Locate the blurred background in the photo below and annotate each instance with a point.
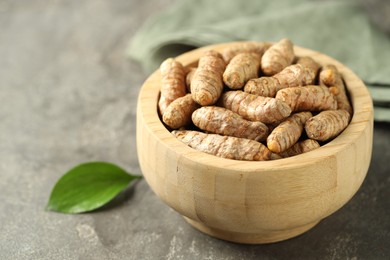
(68, 93)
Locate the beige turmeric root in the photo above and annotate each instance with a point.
(300, 147)
(255, 108)
(311, 69)
(308, 98)
(178, 113)
(331, 77)
(341, 97)
(287, 133)
(226, 146)
(327, 124)
(207, 84)
(241, 68)
(292, 76)
(255, 47)
(189, 76)
(172, 83)
(222, 121)
(277, 57)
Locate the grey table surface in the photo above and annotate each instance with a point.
(68, 95)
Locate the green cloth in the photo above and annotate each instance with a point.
(340, 29)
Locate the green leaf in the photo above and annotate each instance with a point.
(88, 186)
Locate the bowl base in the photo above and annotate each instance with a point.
(251, 238)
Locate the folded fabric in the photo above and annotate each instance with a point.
(340, 29)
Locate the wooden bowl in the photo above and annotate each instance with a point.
(254, 202)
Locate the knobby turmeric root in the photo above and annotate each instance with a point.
(328, 75)
(287, 133)
(178, 113)
(248, 47)
(292, 76)
(241, 68)
(220, 120)
(311, 69)
(172, 83)
(277, 57)
(300, 147)
(189, 75)
(308, 98)
(226, 146)
(331, 77)
(207, 84)
(327, 124)
(255, 108)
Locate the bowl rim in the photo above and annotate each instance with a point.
(360, 98)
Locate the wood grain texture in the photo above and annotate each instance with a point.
(255, 202)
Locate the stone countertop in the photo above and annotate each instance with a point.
(68, 95)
